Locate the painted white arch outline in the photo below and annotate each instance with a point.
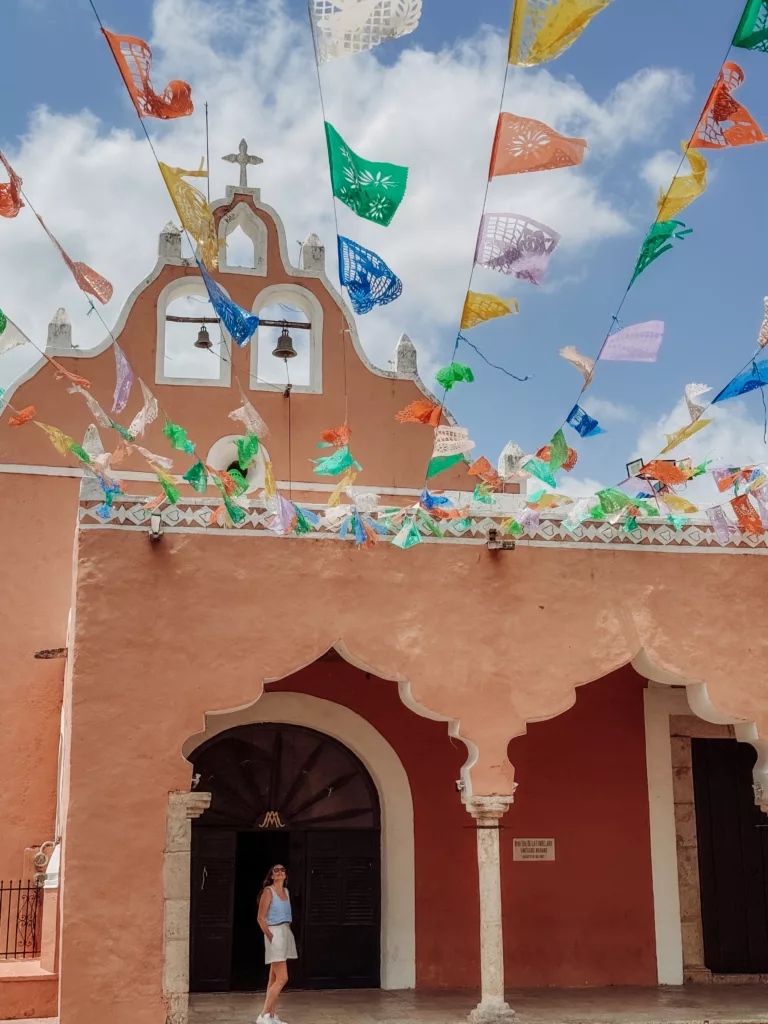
(701, 705)
(398, 892)
(309, 304)
(254, 228)
(177, 289)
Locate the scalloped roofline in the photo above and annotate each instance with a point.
(173, 261)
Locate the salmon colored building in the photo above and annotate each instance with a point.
(485, 765)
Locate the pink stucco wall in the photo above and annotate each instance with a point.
(38, 521)
(493, 642)
(165, 633)
(586, 918)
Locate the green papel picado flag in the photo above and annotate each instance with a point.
(373, 190)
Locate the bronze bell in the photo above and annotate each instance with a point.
(285, 349)
(203, 338)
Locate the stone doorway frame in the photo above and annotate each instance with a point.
(177, 860)
(398, 889)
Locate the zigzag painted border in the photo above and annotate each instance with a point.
(195, 514)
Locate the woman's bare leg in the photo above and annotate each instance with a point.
(278, 980)
(270, 980)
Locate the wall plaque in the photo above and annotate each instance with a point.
(534, 849)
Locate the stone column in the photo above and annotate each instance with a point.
(487, 812)
(182, 807)
(49, 938)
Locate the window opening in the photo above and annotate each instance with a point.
(240, 249)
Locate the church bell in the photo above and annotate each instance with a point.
(284, 349)
(203, 338)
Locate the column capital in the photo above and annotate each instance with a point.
(488, 809)
(193, 804)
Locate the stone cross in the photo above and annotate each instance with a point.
(244, 158)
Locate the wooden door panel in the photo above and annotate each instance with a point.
(212, 909)
(733, 858)
(342, 923)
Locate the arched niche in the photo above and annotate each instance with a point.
(243, 217)
(307, 302)
(223, 454)
(181, 288)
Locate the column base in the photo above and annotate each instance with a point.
(494, 1011)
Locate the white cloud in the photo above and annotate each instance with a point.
(579, 487)
(100, 191)
(733, 439)
(659, 171)
(603, 409)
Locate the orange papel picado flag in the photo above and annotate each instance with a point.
(725, 122)
(523, 144)
(86, 277)
(134, 59)
(10, 192)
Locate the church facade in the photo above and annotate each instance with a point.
(484, 765)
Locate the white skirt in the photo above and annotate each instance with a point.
(282, 947)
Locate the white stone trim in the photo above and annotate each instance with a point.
(177, 289)
(398, 895)
(242, 216)
(21, 469)
(320, 275)
(659, 703)
(102, 346)
(700, 704)
(182, 807)
(293, 295)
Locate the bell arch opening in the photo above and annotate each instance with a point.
(283, 793)
(284, 350)
(296, 312)
(245, 242)
(191, 345)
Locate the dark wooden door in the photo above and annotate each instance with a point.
(289, 794)
(733, 858)
(212, 908)
(341, 933)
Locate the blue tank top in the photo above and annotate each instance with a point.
(279, 910)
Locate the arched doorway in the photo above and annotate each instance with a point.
(289, 794)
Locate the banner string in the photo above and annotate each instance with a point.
(333, 202)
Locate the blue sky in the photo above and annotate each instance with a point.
(709, 289)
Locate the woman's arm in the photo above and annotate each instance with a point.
(264, 904)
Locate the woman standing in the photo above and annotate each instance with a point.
(279, 944)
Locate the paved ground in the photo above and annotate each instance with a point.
(700, 1004)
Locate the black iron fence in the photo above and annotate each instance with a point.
(21, 913)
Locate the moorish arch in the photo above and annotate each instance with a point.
(366, 744)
